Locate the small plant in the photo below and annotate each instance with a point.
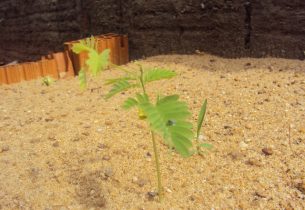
(47, 81)
(167, 116)
(95, 63)
(199, 126)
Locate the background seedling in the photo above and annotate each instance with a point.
(47, 81)
(95, 63)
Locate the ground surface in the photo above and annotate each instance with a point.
(61, 148)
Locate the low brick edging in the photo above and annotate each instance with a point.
(65, 64)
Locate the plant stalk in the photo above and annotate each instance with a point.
(198, 143)
(160, 188)
(142, 80)
(197, 146)
(156, 154)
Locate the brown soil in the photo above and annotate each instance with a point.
(61, 148)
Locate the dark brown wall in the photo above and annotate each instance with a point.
(164, 26)
(30, 28)
(278, 28)
(231, 28)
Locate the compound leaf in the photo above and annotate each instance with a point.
(80, 47)
(169, 118)
(129, 103)
(157, 74)
(97, 62)
(112, 81)
(118, 87)
(85, 45)
(104, 56)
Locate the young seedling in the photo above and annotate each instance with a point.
(199, 126)
(47, 81)
(96, 61)
(167, 115)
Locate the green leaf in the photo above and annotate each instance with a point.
(104, 56)
(80, 47)
(84, 45)
(118, 87)
(208, 146)
(129, 103)
(181, 136)
(164, 99)
(47, 81)
(169, 118)
(157, 74)
(201, 117)
(142, 98)
(97, 62)
(180, 110)
(82, 79)
(112, 81)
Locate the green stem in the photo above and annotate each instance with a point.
(197, 146)
(160, 188)
(141, 80)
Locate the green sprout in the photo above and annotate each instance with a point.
(167, 116)
(95, 63)
(199, 126)
(47, 81)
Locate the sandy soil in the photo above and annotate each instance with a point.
(61, 148)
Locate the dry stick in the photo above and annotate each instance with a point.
(96, 88)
